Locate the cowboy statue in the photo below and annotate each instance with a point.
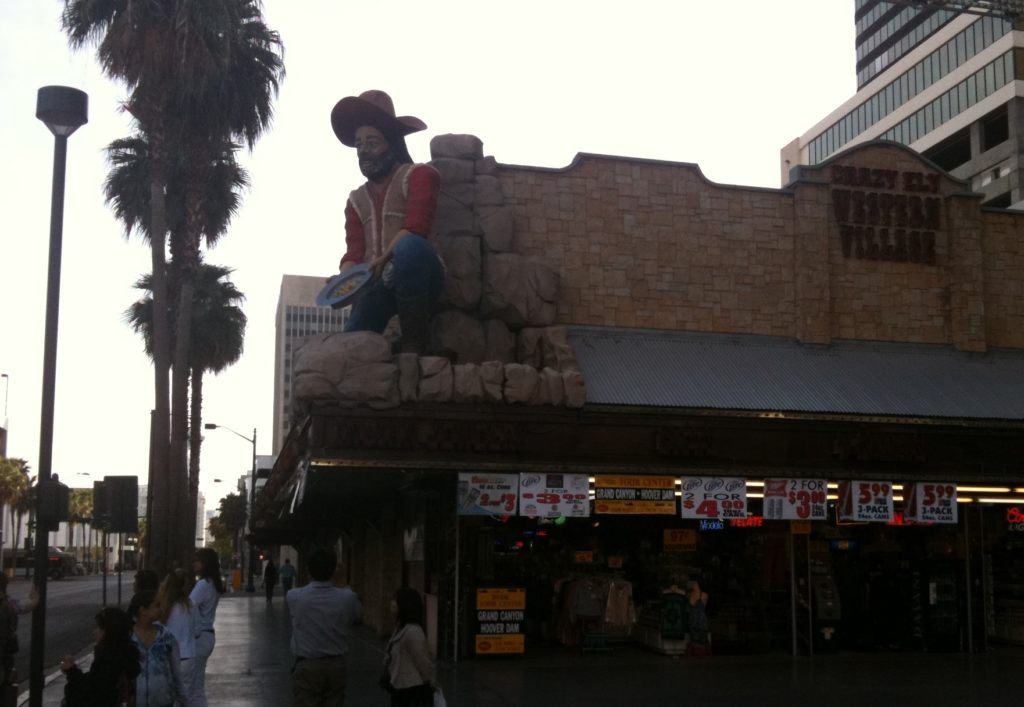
(388, 219)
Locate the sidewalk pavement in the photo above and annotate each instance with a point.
(251, 662)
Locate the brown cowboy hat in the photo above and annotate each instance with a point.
(370, 108)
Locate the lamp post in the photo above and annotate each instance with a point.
(250, 585)
(7, 386)
(63, 110)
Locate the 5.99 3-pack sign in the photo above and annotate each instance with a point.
(713, 497)
(865, 501)
(930, 503)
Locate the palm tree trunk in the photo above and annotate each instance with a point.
(179, 476)
(195, 443)
(17, 534)
(159, 549)
(1, 534)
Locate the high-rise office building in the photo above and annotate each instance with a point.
(946, 79)
(297, 317)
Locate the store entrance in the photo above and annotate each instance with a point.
(597, 583)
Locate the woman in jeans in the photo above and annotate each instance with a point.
(159, 682)
(407, 660)
(205, 596)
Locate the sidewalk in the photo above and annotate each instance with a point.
(251, 663)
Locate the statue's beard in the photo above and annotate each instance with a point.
(377, 166)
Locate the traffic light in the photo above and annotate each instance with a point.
(100, 506)
(122, 494)
(54, 500)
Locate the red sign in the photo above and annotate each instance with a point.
(1015, 519)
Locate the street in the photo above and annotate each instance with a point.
(72, 603)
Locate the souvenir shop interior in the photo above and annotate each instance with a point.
(597, 583)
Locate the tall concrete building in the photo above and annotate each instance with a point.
(297, 317)
(945, 78)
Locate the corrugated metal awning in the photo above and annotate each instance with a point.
(760, 373)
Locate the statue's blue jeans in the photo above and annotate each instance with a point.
(418, 273)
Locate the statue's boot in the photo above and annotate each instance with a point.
(414, 318)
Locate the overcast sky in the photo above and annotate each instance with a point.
(721, 84)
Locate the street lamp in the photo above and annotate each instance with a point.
(63, 110)
(250, 585)
(7, 386)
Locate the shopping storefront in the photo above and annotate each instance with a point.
(859, 333)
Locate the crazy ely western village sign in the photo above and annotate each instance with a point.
(886, 214)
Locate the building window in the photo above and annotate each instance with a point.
(995, 128)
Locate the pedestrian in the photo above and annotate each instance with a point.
(388, 220)
(698, 635)
(110, 681)
(10, 608)
(411, 679)
(181, 617)
(159, 680)
(270, 579)
(322, 616)
(287, 573)
(205, 595)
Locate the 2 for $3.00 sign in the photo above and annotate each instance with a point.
(713, 497)
(795, 499)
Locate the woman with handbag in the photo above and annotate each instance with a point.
(407, 662)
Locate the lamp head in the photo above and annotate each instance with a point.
(62, 108)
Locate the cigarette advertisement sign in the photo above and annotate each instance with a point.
(500, 617)
(865, 501)
(713, 497)
(930, 503)
(795, 499)
(554, 495)
(630, 495)
(488, 494)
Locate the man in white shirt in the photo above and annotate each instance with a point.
(322, 615)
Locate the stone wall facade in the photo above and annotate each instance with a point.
(640, 243)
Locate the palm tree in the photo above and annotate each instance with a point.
(79, 512)
(135, 46)
(217, 341)
(200, 72)
(13, 485)
(22, 507)
(233, 101)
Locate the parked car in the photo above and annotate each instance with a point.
(62, 563)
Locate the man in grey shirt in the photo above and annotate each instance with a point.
(322, 615)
